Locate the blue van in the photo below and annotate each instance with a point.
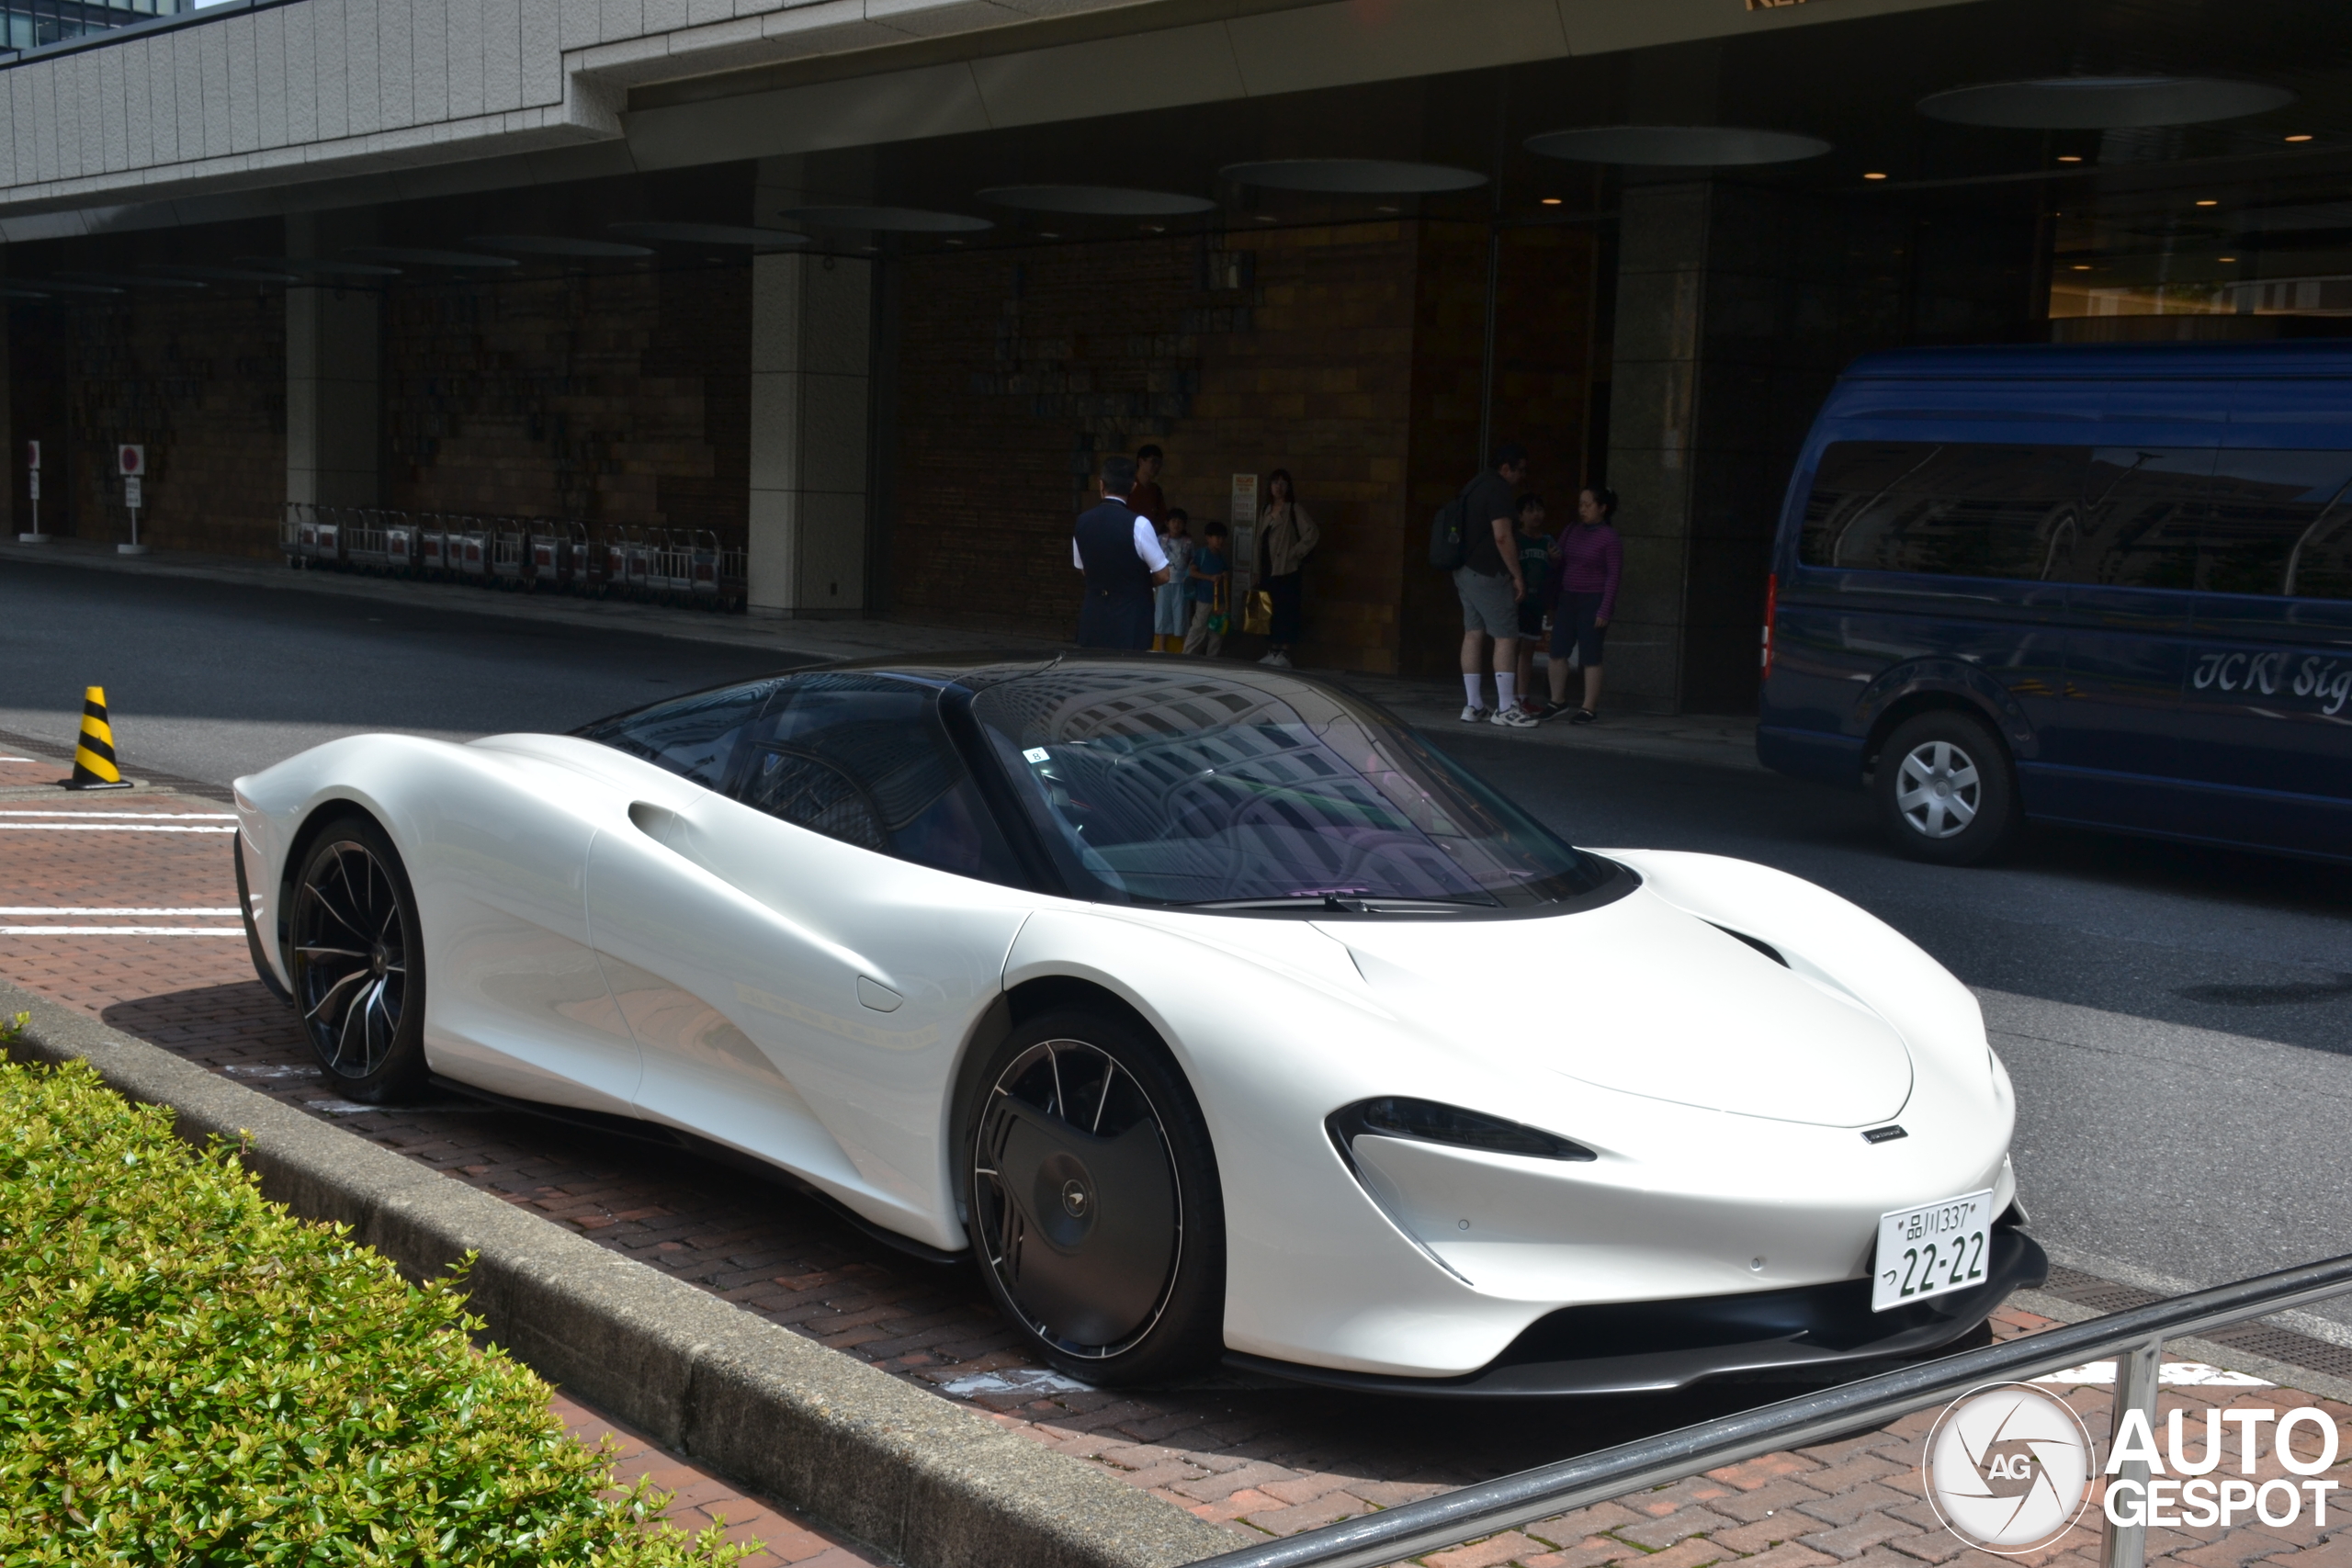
(2107, 586)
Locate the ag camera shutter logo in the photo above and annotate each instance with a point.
(2009, 1468)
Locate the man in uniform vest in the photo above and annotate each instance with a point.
(1118, 549)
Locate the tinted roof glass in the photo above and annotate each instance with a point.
(1187, 786)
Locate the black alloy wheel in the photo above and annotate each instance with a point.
(1946, 789)
(1095, 1211)
(358, 971)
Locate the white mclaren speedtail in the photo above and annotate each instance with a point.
(1208, 1011)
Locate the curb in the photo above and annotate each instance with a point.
(931, 1483)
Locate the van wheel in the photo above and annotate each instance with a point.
(1947, 792)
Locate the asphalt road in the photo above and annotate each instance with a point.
(2178, 1021)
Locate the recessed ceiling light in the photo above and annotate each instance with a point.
(1096, 201)
(1873, 175)
(1676, 146)
(2081, 266)
(1352, 177)
(1392, 210)
(1551, 201)
(2229, 258)
(705, 234)
(1265, 218)
(2103, 102)
(2070, 157)
(1153, 228)
(2301, 136)
(2208, 201)
(894, 219)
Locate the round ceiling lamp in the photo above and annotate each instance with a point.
(1353, 177)
(411, 256)
(311, 265)
(704, 234)
(892, 219)
(1680, 146)
(558, 245)
(2103, 102)
(225, 273)
(1096, 201)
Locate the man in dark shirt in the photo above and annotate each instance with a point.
(1119, 552)
(1147, 497)
(1490, 585)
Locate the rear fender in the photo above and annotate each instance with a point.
(1953, 682)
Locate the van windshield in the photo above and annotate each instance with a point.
(1186, 788)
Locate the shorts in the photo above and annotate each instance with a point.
(1531, 618)
(1572, 627)
(1489, 604)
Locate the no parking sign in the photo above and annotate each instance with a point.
(131, 462)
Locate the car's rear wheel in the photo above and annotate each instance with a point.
(1096, 1209)
(1946, 790)
(357, 966)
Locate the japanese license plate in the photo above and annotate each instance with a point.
(1931, 1250)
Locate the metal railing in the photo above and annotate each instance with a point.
(2134, 1337)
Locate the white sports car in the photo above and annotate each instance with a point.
(1208, 1009)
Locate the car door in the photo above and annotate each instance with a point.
(804, 955)
(2111, 754)
(2266, 718)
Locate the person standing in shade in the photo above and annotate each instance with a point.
(1285, 536)
(1209, 580)
(1119, 552)
(1490, 588)
(1534, 574)
(1584, 580)
(1147, 497)
(1171, 607)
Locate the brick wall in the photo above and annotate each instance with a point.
(612, 396)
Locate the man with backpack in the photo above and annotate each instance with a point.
(1475, 536)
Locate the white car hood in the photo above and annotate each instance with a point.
(1640, 997)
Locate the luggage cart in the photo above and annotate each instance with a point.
(433, 557)
(734, 577)
(290, 531)
(673, 567)
(637, 563)
(576, 555)
(546, 555)
(363, 541)
(326, 537)
(702, 563)
(399, 543)
(469, 550)
(509, 540)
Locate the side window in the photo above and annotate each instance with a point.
(2280, 523)
(693, 737)
(865, 759)
(2144, 512)
(1961, 509)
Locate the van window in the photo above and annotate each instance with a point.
(1948, 508)
(2144, 512)
(2280, 523)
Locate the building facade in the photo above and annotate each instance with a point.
(868, 287)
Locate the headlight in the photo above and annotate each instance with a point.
(1427, 1121)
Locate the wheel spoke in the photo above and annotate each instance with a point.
(332, 992)
(311, 952)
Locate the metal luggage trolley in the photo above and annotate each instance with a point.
(326, 536)
(363, 541)
(509, 542)
(674, 566)
(469, 549)
(637, 563)
(558, 554)
(702, 561)
(399, 543)
(433, 555)
(290, 531)
(734, 577)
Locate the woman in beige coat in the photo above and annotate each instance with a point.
(1285, 536)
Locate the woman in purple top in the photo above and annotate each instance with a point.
(1583, 591)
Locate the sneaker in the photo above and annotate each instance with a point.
(1473, 714)
(1513, 718)
(1583, 715)
(1278, 659)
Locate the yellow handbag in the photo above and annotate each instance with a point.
(1259, 618)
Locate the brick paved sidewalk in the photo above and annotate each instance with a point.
(1263, 1459)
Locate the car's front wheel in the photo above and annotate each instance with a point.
(1095, 1210)
(1946, 790)
(357, 964)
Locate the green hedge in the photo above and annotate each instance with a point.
(191, 1375)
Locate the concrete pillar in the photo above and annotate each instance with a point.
(333, 387)
(811, 329)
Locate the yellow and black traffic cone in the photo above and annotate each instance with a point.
(94, 763)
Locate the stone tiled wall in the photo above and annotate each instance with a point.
(1349, 354)
(199, 379)
(612, 398)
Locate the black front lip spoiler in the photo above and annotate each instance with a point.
(1815, 1334)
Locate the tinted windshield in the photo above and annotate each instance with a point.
(1186, 788)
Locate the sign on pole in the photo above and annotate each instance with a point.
(32, 455)
(32, 490)
(131, 461)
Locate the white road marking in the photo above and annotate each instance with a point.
(79, 909)
(122, 931)
(2172, 1374)
(108, 827)
(141, 817)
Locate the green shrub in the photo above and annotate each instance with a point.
(191, 1375)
